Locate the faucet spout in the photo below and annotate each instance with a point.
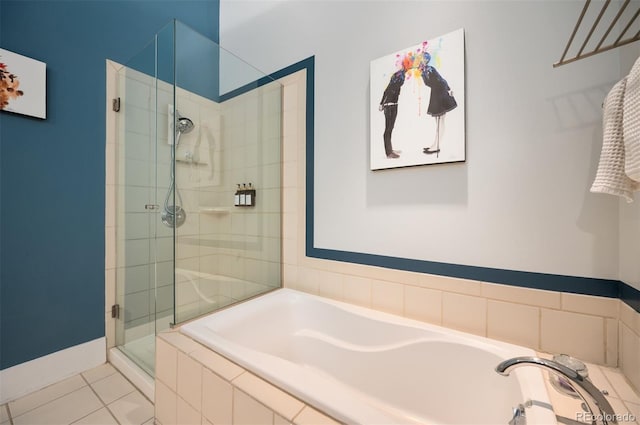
(601, 411)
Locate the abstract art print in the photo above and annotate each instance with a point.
(417, 104)
(23, 85)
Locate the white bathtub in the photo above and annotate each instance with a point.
(366, 367)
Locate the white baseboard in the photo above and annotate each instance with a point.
(36, 374)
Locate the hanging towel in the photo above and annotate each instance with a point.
(611, 177)
(631, 123)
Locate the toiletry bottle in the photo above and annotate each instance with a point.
(236, 198)
(249, 196)
(243, 195)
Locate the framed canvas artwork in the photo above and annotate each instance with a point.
(417, 111)
(23, 85)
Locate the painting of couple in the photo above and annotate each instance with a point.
(410, 90)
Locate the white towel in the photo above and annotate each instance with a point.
(631, 123)
(611, 177)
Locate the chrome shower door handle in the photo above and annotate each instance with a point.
(151, 206)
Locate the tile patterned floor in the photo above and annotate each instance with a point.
(100, 396)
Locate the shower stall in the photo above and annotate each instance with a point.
(197, 130)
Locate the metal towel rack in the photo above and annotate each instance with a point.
(619, 41)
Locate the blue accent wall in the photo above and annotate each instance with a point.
(52, 172)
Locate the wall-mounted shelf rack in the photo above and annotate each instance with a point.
(621, 39)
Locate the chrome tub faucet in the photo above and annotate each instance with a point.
(601, 411)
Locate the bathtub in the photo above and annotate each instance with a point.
(362, 366)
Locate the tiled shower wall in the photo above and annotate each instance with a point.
(228, 253)
(599, 330)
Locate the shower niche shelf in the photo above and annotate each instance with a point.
(214, 210)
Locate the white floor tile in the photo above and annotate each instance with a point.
(132, 409)
(99, 417)
(112, 388)
(45, 395)
(98, 373)
(62, 411)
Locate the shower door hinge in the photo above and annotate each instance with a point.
(115, 311)
(115, 103)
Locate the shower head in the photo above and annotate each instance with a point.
(184, 125)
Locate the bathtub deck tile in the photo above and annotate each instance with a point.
(180, 341)
(619, 382)
(217, 363)
(310, 416)
(281, 402)
(279, 420)
(634, 409)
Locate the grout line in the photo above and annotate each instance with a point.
(99, 398)
(9, 412)
(48, 401)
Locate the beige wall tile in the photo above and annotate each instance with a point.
(289, 276)
(630, 317)
(387, 296)
(277, 400)
(588, 304)
(166, 363)
(110, 331)
(166, 403)
(308, 280)
(450, 284)
(247, 411)
(630, 356)
(190, 380)
(464, 312)
(331, 285)
(514, 323)
(290, 251)
(217, 396)
(611, 342)
(423, 304)
(357, 290)
(186, 414)
(514, 294)
(579, 335)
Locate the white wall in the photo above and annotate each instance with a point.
(521, 201)
(629, 213)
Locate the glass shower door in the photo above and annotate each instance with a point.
(140, 261)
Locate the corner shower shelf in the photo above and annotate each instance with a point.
(190, 162)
